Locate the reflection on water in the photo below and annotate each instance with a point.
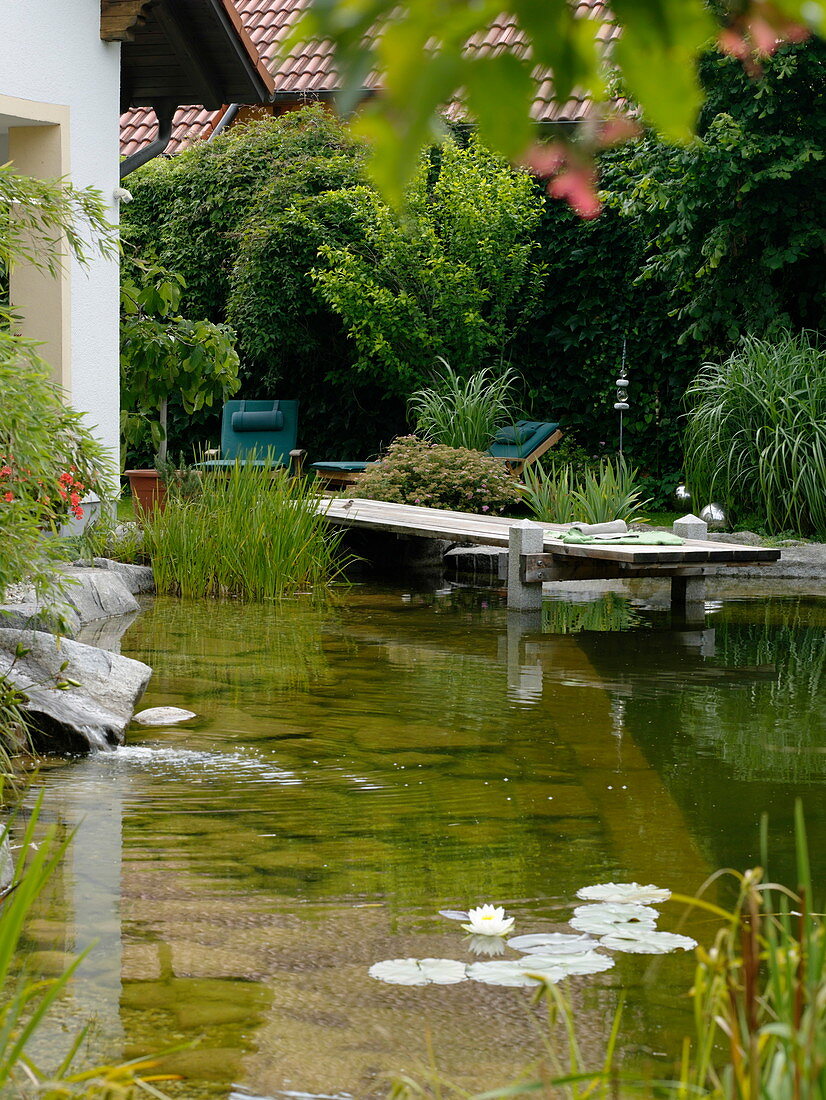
(357, 768)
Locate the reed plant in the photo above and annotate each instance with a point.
(755, 437)
(251, 534)
(610, 491)
(25, 1002)
(464, 412)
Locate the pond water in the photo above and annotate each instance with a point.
(356, 768)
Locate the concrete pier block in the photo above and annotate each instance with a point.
(524, 537)
(690, 527)
(688, 599)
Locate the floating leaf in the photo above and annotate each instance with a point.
(645, 942)
(616, 912)
(624, 893)
(590, 963)
(418, 971)
(502, 972)
(553, 943)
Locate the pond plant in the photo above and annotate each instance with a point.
(755, 437)
(610, 491)
(252, 533)
(758, 996)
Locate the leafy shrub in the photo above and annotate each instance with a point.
(609, 492)
(414, 471)
(755, 437)
(250, 534)
(463, 412)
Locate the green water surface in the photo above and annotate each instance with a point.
(355, 768)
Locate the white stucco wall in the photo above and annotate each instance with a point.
(51, 53)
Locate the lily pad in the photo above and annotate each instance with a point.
(624, 892)
(503, 972)
(602, 926)
(617, 912)
(644, 942)
(591, 963)
(419, 971)
(553, 943)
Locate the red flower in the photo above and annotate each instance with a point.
(9, 496)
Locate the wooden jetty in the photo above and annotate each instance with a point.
(536, 553)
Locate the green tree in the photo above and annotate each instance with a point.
(454, 278)
(742, 210)
(188, 210)
(163, 354)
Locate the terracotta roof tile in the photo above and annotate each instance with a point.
(310, 70)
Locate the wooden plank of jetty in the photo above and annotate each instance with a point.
(466, 527)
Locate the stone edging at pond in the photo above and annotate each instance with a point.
(95, 714)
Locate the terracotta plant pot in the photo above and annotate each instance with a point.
(148, 491)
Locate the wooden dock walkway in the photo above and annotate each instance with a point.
(536, 553)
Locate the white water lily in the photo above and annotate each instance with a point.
(645, 942)
(553, 943)
(503, 972)
(488, 920)
(453, 914)
(624, 892)
(419, 971)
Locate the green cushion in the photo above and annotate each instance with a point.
(520, 440)
(342, 467)
(272, 421)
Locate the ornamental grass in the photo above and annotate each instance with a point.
(464, 412)
(755, 438)
(250, 534)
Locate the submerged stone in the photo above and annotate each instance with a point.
(163, 716)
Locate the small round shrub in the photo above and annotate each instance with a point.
(414, 471)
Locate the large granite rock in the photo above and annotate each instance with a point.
(92, 716)
(92, 593)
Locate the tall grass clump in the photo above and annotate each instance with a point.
(464, 412)
(755, 437)
(250, 534)
(608, 492)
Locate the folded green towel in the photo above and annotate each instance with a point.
(630, 538)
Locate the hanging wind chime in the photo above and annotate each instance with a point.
(621, 403)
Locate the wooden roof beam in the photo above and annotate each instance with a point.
(119, 18)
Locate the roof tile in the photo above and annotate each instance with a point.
(310, 69)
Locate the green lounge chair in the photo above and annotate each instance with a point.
(258, 433)
(517, 445)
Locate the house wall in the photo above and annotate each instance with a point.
(59, 108)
